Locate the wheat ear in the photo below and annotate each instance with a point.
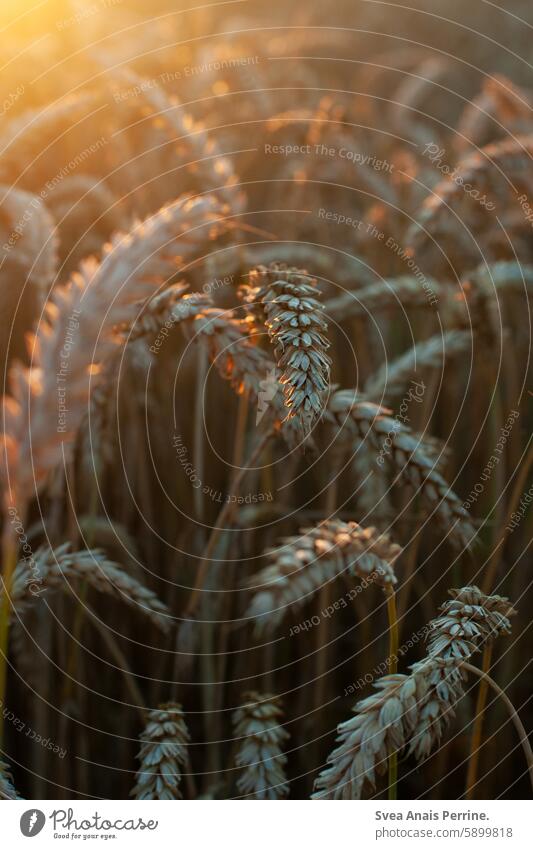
(7, 788)
(411, 711)
(163, 755)
(301, 565)
(296, 327)
(412, 458)
(432, 353)
(212, 167)
(30, 246)
(260, 739)
(384, 296)
(76, 336)
(54, 569)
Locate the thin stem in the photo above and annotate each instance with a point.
(131, 684)
(223, 519)
(199, 447)
(478, 723)
(521, 731)
(518, 488)
(393, 668)
(324, 599)
(72, 659)
(120, 659)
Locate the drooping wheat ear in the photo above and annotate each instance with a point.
(470, 616)
(392, 378)
(78, 335)
(500, 102)
(7, 788)
(173, 305)
(385, 295)
(502, 277)
(412, 711)
(54, 569)
(296, 327)
(29, 134)
(232, 349)
(499, 172)
(165, 310)
(260, 739)
(163, 755)
(215, 171)
(412, 457)
(303, 564)
(29, 252)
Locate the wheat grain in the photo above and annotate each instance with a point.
(213, 168)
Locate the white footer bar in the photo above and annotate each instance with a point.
(263, 825)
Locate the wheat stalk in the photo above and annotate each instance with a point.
(260, 738)
(411, 711)
(301, 565)
(163, 755)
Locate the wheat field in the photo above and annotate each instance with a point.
(266, 468)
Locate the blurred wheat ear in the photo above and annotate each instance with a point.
(55, 569)
(303, 564)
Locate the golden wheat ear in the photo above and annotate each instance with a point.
(163, 755)
(411, 711)
(301, 565)
(260, 738)
(7, 788)
(214, 171)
